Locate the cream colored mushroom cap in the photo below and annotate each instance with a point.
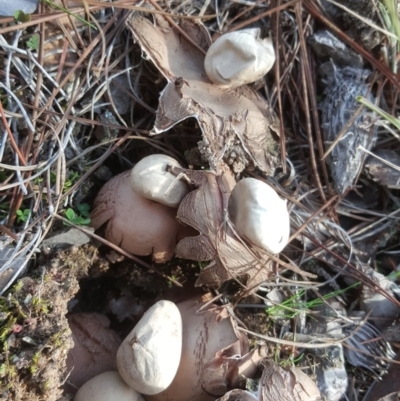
(107, 386)
(150, 179)
(260, 215)
(149, 357)
(239, 58)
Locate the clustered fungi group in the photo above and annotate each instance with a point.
(194, 350)
(140, 209)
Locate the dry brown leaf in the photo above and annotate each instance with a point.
(287, 384)
(237, 124)
(279, 384)
(381, 172)
(381, 389)
(205, 209)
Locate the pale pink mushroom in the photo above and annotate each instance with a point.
(215, 355)
(137, 225)
(95, 348)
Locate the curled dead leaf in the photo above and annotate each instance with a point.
(238, 125)
(206, 210)
(281, 384)
(287, 384)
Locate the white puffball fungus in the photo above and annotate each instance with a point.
(239, 58)
(150, 179)
(107, 386)
(149, 357)
(260, 215)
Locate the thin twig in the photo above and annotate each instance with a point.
(121, 251)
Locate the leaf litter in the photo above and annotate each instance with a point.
(188, 93)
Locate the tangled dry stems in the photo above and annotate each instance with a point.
(51, 97)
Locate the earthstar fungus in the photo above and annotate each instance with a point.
(138, 225)
(238, 125)
(206, 210)
(150, 179)
(149, 356)
(215, 355)
(281, 384)
(95, 347)
(107, 386)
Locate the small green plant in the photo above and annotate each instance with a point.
(72, 178)
(40, 306)
(33, 42)
(22, 215)
(170, 283)
(56, 339)
(3, 369)
(392, 120)
(20, 16)
(35, 362)
(294, 305)
(6, 328)
(79, 219)
(391, 7)
(287, 363)
(4, 207)
(84, 209)
(202, 265)
(3, 175)
(53, 177)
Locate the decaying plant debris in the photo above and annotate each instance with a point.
(277, 383)
(238, 130)
(346, 159)
(382, 167)
(82, 102)
(205, 209)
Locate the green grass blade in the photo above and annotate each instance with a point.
(51, 4)
(391, 6)
(393, 120)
